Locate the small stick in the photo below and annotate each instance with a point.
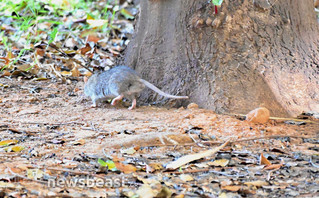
(192, 157)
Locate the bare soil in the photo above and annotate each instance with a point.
(63, 137)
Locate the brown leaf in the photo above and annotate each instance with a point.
(5, 60)
(93, 38)
(75, 72)
(231, 188)
(257, 183)
(219, 162)
(125, 168)
(272, 166)
(264, 161)
(40, 51)
(85, 49)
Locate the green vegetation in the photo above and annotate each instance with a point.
(25, 23)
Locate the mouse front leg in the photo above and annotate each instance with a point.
(114, 101)
(133, 104)
(94, 102)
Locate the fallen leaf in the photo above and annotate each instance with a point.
(8, 142)
(186, 177)
(5, 60)
(126, 14)
(128, 151)
(17, 148)
(93, 38)
(263, 160)
(231, 188)
(66, 73)
(125, 168)
(39, 79)
(109, 163)
(6, 73)
(272, 166)
(220, 162)
(96, 23)
(156, 166)
(146, 191)
(257, 183)
(35, 174)
(85, 49)
(75, 72)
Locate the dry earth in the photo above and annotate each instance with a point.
(63, 137)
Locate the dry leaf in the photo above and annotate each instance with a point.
(35, 173)
(96, 23)
(75, 72)
(8, 142)
(186, 177)
(17, 148)
(220, 162)
(272, 166)
(231, 188)
(146, 191)
(66, 73)
(128, 151)
(264, 161)
(257, 183)
(125, 168)
(4, 60)
(85, 49)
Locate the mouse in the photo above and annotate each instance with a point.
(117, 83)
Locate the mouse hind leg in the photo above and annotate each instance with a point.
(133, 106)
(116, 99)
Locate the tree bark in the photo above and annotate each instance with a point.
(249, 54)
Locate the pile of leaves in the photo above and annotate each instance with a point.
(80, 33)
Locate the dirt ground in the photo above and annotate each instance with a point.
(63, 137)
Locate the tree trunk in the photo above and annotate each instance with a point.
(249, 54)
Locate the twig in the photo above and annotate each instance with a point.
(192, 157)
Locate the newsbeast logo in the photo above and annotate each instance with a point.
(88, 182)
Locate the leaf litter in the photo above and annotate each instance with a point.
(53, 144)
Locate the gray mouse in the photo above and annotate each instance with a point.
(118, 83)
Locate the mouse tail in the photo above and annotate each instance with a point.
(157, 90)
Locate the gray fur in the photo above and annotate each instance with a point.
(119, 81)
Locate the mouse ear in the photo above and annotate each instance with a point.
(85, 79)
